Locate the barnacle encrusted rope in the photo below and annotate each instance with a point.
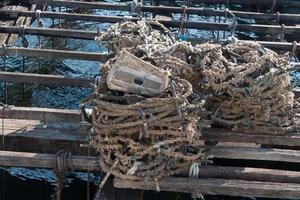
(152, 42)
(147, 135)
(150, 137)
(127, 35)
(249, 87)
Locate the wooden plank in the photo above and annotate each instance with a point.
(4, 37)
(216, 187)
(41, 130)
(249, 173)
(90, 35)
(42, 114)
(65, 33)
(43, 137)
(256, 28)
(289, 3)
(223, 135)
(35, 160)
(157, 9)
(51, 53)
(248, 153)
(126, 7)
(43, 79)
(12, 38)
(297, 92)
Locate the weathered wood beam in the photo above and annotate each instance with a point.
(90, 35)
(43, 79)
(4, 38)
(216, 187)
(248, 153)
(256, 28)
(158, 9)
(36, 160)
(223, 135)
(249, 173)
(64, 33)
(42, 114)
(51, 53)
(297, 92)
(125, 7)
(42, 136)
(289, 3)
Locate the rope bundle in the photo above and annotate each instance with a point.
(128, 35)
(147, 137)
(246, 87)
(249, 87)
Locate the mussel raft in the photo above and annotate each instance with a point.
(238, 85)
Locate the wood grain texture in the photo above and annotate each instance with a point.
(216, 187)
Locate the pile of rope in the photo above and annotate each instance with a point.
(246, 87)
(147, 137)
(141, 137)
(127, 35)
(249, 87)
(154, 43)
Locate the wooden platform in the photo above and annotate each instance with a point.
(257, 165)
(244, 165)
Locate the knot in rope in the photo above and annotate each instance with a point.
(294, 47)
(38, 18)
(5, 109)
(127, 18)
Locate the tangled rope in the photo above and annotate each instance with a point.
(128, 35)
(246, 87)
(249, 87)
(152, 42)
(149, 137)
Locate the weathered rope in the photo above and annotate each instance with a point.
(63, 165)
(249, 87)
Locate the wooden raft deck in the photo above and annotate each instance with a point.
(244, 165)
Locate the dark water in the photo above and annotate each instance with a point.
(20, 183)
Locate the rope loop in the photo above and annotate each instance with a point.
(183, 18)
(24, 40)
(6, 109)
(278, 17)
(282, 32)
(294, 48)
(63, 165)
(273, 6)
(4, 51)
(127, 18)
(38, 18)
(38, 14)
(232, 28)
